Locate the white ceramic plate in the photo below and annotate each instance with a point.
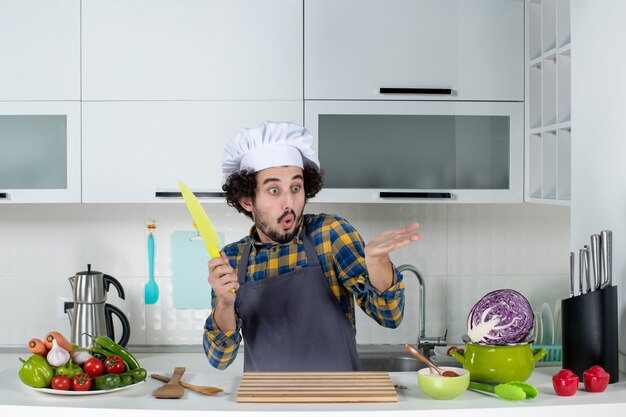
(537, 333)
(78, 393)
(548, 324)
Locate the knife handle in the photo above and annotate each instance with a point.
(595, 261)
(587, 272)
(606, 241)
(581, 271)
(572, 273)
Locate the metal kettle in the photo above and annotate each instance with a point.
(89, 313)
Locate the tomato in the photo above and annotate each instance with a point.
(82, 382)
(114, 365)
(565, 383)
(94, 367)
(61, 382)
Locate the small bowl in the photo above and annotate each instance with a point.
(442, 387)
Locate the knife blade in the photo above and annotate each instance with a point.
(606, 240)
(201, 220)
(595, 261)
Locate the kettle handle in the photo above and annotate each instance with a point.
(108, 280)
(109, 310)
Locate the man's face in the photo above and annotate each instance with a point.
(279, 203)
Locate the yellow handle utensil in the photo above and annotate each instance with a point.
(201, 221)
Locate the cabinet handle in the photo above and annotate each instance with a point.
(178, 194)
(4, 195)
(400, 194)
(432, 91)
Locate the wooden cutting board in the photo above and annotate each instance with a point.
(316, 387)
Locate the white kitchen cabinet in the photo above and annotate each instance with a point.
(40, 50)
(353, 48)
(418, 151)
(132, 150)
(40, 152)
(192, 50)
(548, 102)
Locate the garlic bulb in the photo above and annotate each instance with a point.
(57, 355)
(80, 356)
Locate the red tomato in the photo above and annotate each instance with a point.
(61, 382)
(94, 367)
(81, 382)
(114, 365)
(565, 383)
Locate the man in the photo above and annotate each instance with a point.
(290, 285)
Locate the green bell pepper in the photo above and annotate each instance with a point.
(69, 370)
(36, 372)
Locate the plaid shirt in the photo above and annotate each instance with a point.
(340, 252)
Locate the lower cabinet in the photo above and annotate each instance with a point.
(135, 152)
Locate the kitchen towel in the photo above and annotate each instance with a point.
(190, 271)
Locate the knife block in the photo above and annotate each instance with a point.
(589, 323)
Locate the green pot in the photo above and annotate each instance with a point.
(490, 363)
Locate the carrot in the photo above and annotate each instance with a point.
(61, 341)
(37, 347)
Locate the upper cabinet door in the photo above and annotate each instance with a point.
(192, 50)
(136, 151)
(40, 152)
(40, 50)
(353, 48)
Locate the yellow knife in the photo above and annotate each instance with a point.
(201, 221)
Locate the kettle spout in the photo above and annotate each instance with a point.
(72, 281)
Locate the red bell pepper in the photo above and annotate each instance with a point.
(596, 379)
(565, 383)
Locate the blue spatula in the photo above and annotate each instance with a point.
(151, 290)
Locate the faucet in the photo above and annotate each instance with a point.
(424, 344)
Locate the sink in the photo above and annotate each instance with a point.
(391, 362)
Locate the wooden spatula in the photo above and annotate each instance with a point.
(201, 389)
(172, 389)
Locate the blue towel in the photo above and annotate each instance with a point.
(190, 271)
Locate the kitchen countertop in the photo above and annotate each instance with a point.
(18, 398)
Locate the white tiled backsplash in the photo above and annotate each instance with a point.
(467, 251)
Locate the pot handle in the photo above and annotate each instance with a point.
(457, 355)
(538, 354)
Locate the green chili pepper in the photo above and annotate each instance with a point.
(127, 379)
(138, 374)
(118, 350)
(36, 372)
(106, 382)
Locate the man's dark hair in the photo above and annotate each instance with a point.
(242, 184)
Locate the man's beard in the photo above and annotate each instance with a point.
(274, 234)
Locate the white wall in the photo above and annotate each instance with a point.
(599, 133)
(467, 251)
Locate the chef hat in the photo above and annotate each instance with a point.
(270, 144)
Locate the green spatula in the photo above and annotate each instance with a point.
(511, 391)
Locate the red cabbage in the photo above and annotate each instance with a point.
(499, 318)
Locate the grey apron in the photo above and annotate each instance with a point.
(293, 322)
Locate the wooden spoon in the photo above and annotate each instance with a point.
(427, 361)
(206, 390)
(172, 389)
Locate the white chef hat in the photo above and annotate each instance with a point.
(271, 144)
